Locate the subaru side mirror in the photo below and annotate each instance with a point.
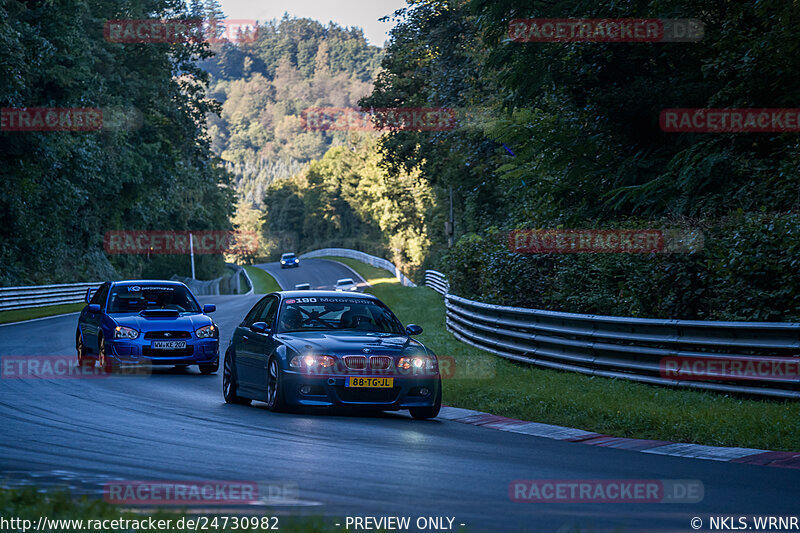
(209, 308)
(94, 308)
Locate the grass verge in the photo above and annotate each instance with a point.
(18, 315)
(609, 406)
(28, 504)
(263, 283)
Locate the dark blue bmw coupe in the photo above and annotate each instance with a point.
(146, 322)
(326, 348)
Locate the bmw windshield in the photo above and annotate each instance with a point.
(135, 298)
(328, 313)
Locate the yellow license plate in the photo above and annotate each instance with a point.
(380, 383)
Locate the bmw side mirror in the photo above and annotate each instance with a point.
(259, 327)
(94, 308)
(209, 308)
(413, 329)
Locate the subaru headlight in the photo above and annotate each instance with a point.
(208, 332)
(122, 332)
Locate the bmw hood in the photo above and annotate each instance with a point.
(350, 343)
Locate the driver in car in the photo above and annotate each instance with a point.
(291, 320)
(356, 320)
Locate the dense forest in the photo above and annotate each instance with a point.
(568, 136)
(549, 135)
(63, 190)
(265, 83)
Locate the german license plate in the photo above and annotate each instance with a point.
(168, 345)
(378, 383)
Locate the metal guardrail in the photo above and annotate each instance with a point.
(437, 281)
(230, 283)
(42, 295)
(364, 258)
(74, 293)
(625, 348)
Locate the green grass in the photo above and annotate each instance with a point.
(18, 315)
(27, 504)
(263, 283)
(609, 406)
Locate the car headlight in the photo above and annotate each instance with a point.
(283, 262)
(122, 332)
(208, 332)
(418, 364)
(312, 362)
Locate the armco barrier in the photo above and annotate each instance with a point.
(74, 293)
(43, 295)
(437, 281)
(364, 258)
(620, 347)
(230, 283)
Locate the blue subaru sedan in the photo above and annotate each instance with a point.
(326, 348)
(146, 322)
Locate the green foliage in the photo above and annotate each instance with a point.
(265, 85)
(347, 200)
(64, 190)
(747, 270)
(19, 315)
(567, 135)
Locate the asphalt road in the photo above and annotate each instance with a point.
(174, 425)
(319, 273)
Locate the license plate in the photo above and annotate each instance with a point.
(168, 345)
(379, 383)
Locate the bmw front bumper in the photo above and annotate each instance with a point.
(303, 389)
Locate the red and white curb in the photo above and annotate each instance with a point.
(659, 447)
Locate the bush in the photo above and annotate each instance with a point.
(749, 269)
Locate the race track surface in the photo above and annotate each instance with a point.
(174, 425)
(320, 273)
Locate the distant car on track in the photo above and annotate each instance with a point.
(325, 348)
(302, 287)
(146, 322)
(289, 261)
(346, 284)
